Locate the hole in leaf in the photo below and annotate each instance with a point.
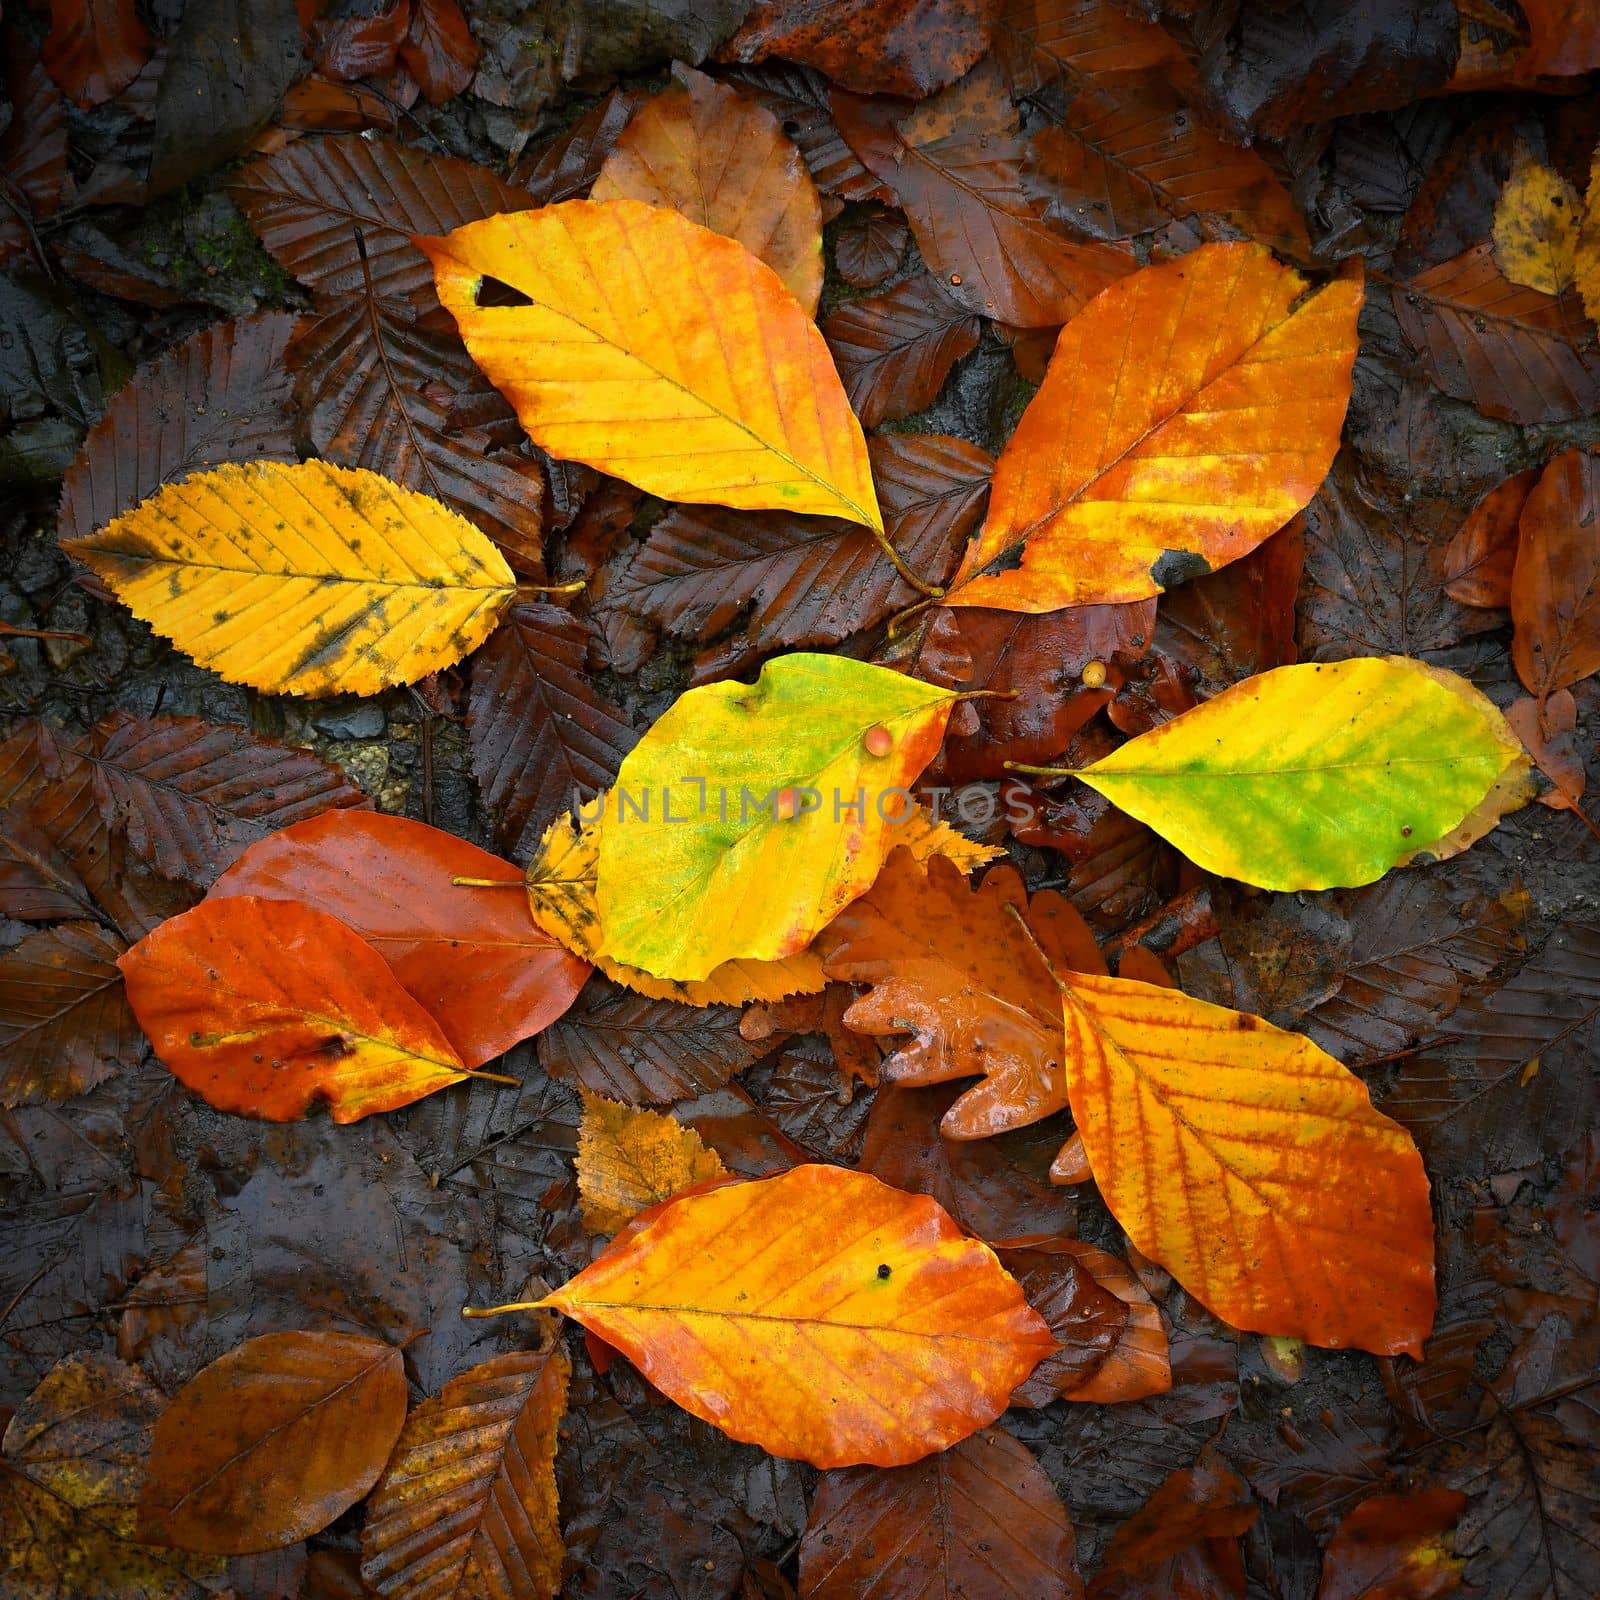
(494, 292)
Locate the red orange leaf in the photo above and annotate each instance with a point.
(879, 1333)
(475, 960)
(265, 1007)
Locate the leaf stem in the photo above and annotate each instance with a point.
(931, 590)
(577, 586)
(500, 1311)
(1042, 772)
(898, 621)
(491, 1077)
(15, 630)
(489, 883)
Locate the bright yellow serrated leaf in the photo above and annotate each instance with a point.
(304, 578)
(660, 352)
(630, 1159)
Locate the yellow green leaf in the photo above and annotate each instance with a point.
(304, 578)
(750, 814)
(630, 1159)
(660, 352)
(1319, 775)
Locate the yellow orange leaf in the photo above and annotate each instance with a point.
(1188, 412)
(1536, 222)
(630, 1159)
(1586, 248)
(819, 1314)
(749, 814)
(726, 163)
(1322, 774)
(1251, 1165)
(561, 893)
(660, 352)
(305, 578)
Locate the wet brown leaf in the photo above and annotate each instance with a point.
(1479, 559)
(1555, 586)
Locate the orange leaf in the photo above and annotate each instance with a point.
(1395, 1547)
(1555, 586)
(1478, 561)
(264, 1007)
(630, 1160)
(1252, 1166)
(951, 964)
(1187, 413)
(724, 162)
(878, 1332)
(474, 959)
(982, 1519)
(273, 1441)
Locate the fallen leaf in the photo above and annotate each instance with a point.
(473, 959)
(955, 966)
(1038, 39)
(1536, 228)
(1087, 1320)
(467, 1503)
(542, 739)
(867, 250)
(1515, 353)
(1183, 1542)
(221, 395)
(64, 1021)
(724, 162)
(190, 795)
(260, 572)
(1395, 1547)
(1138, 1365)
(909, 47)
(641, 1051)
(379, 389)
(837, 738)
(1251, 1165)
(1549, 734)
(95, 48)
(33, 152)
(561, 881)
(1127, 155)
(439, 50)
(1297, 780)
(353, 47)
(1218, 357)
(844, 1362)
(565, 167)
(272, 1442)
(894, 350)
(630, 1159)
(699, 420)
(956, 166)
(37, 882)
(265, 1007)
(979, 1519)
(70, 1469)
(792, 580)
(1555, 586)
(1480, 558)
(308, 201)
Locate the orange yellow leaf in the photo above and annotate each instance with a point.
(726, 163)
(630, 1159)
(265, 1007)
(1188, 412)
(1252, 1166)
(819, 1314)
(304, 578)
(660, 352)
